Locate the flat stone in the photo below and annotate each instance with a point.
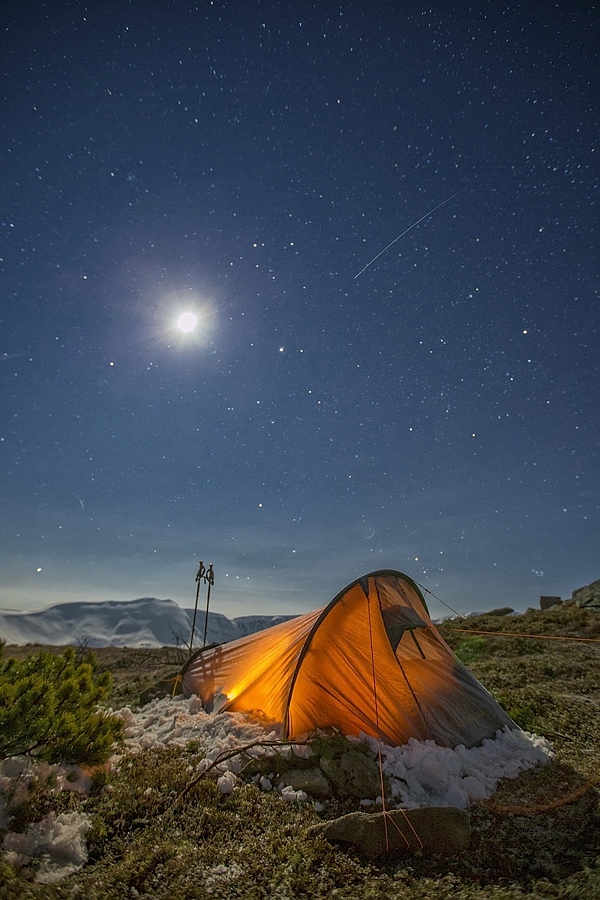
(432, 829)
(501, 611)
(354, 775)
(312, 781)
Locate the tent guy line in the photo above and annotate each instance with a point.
(521, 634)
(410, 227)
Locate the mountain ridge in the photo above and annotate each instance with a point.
(144, 622)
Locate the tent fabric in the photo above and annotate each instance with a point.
(370, 662)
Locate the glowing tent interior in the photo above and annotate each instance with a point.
(371, 661)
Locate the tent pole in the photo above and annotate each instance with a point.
(199, 576)
(209, 577)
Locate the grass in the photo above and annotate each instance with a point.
(536, 838)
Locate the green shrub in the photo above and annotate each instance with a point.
(522, 713)
(470, 649)
(49, 709)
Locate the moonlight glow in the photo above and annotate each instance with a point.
(187, 321)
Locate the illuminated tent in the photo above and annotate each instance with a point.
(371, 661)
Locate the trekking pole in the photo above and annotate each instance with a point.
(209, 577)
(199, 576)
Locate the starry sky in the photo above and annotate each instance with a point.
(243, 162)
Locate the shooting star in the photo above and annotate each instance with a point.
(431, 211)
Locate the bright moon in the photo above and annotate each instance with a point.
(187, 321)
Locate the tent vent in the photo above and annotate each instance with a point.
(364, 583)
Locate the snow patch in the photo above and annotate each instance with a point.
(288, 794)
(57, 842)
(177, 721)
(423, 774)
(420, 773)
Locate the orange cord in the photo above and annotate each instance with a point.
(376, 710)
(542, 637)
(386, 815)
(539, 808)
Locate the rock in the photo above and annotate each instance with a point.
(547, 602)
(354, 775)
(433, 829)
(311, 781)
(501, 611)
(588, 596)
(264, 765)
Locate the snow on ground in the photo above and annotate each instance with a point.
(56, 842)
(176, 721)
(423, 774)
(420, 773)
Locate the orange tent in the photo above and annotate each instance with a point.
(371, 661)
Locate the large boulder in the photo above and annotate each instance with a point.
(433, 829)
(547, 602)
(588, 596)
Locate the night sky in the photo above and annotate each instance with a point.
(243, 162)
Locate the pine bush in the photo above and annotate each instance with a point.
(49, 709)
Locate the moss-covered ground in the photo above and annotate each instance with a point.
(538, 837)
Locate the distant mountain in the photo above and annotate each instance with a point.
(146, 622)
